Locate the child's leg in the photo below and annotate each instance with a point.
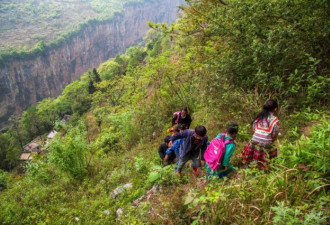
(165, 162)
(247, 153)
(202, 157)
(196, 162)
(169, 157)
(225, 173)
(181, 163)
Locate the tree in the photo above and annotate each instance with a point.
(76, 96)
(49, 111)
(96, 76)
(91, 87)
(277, 49)
(9, 153)
(32, 122)
(17, 131)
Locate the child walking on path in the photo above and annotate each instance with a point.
(163, 148)
(266, 128)
(173, 149)
(194, 141)
(182, 117)
(228, 138)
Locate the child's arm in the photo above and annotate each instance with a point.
(254, 126)
(204, 146)
(189, 120)
(230, 148)
(274, 136)
(275, 131)
(176, 145)
(177, 136)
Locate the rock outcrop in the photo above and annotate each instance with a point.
(25, 82)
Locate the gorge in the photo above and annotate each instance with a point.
(26, 81)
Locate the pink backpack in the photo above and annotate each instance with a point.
(177, 116)
(215, 152)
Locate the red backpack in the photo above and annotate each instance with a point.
(215, 152)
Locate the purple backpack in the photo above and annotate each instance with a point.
(215, 152)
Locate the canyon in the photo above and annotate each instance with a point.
(26, 81)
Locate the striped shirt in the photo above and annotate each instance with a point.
(263, 130)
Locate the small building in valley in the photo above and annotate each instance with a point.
(52, 134)
(28, 150)
(32, 147)
(25, 156)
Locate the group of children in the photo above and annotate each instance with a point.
(192, 144)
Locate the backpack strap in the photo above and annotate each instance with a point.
(222, 136)
(226, 141)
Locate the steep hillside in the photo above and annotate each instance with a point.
(221, 61)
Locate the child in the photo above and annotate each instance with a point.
(225, 167)
(182, 117)
(266, 128)
(182, 127)
(173, 149)
(163, 147)
(194, 141)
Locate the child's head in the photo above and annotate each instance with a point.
(182, 127)
(270, 105)
(167, 140)
(184, 111)
(175, 129)
(200, 132)
(232, 129)
(171, 129)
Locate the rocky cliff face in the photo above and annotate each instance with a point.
(25, 82)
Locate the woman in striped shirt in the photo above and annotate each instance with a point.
(266, 128)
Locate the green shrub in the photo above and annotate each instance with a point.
(3, 180)
(309, 151)
(70, 154)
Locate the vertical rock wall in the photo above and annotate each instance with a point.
(25, 82)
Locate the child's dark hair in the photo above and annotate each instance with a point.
(182, 126)
(200, 131)
(175, 128)
(167, 139)
(267, 108)
(184, 109)
(232, 128)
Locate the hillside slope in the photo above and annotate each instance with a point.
(120, 113)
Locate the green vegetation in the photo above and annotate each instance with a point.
(223, 62)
